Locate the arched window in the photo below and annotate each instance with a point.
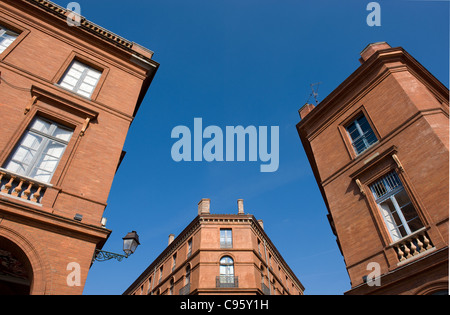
(226, 270)
(187, 280)
(171, 287)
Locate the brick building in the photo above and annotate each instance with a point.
(68, 95)
(219, 254)
(378, 146)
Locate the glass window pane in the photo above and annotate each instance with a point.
(76, 65)
(86, 88)
(402, 231)
(74, 73)
(402, 198)
(353, 132)
(41, 125)
(371, 139)
(361, 134)
(359, 145)
(364, 124)
(7, 37)
(226, 266)
(41, 175)
(50, 158)
(94, 74)
(397, 219)
(387, 208)
(38, 156)
(63, 134)
(415, 224)
(409, 212)
(69, 82)
(90, 81)
(16, 167)
(24, 153)
(80, 79)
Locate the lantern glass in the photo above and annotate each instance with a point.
(130, 243)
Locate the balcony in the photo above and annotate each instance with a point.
(227, 282)
(413, 245)
(22, 187)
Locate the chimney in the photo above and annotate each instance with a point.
(171, 238)
(305, 110)
(261, 223)
(240, 206)
(372, 49)
(203, 206)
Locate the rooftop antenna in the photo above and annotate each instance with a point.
(314, 92)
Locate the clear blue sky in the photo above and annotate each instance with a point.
(243, 62)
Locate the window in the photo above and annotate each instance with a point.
(226, 238)
(187, 280)
(174, 261)
(80, 78)
(160, 274)
(399, 214)
(40, 150)
(7, 37)
(361, 134)
(189, 248)
(171, 287)
(150, 286)
(226, 270)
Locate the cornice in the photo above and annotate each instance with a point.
(96, 30)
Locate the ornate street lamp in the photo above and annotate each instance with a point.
(130, 243)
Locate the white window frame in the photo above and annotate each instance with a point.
(87, 74)
(47, 138)
(4, 31)
(388, 187)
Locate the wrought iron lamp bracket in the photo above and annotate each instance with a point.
(101, 255)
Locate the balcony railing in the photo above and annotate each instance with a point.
(22, 187)
(186, 289)
(413, 245)
(227, 282)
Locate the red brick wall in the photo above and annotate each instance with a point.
(32, 66)
(408, 111)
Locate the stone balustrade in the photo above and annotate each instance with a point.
(21, 187)
(413, 245)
